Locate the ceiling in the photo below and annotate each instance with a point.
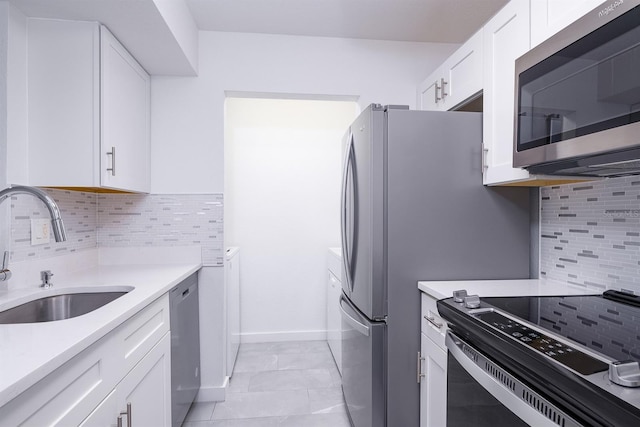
(444, 21)
(147, 28)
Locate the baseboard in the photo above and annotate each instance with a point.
(213, 394)
(257, 337)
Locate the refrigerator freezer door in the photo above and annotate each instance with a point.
(363, 367)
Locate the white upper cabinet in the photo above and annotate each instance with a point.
(550, 16)
(89, 104)
(124, 113)
(456, 80)
(506, 37)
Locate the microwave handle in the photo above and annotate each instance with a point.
(552, 119)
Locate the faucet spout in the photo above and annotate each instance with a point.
(57, 225)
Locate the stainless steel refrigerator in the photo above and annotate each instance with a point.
(413, 208)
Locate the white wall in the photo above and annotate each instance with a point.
(283, 161)
(4, 54)
(188, 112)
(13, 107)
(17, 129)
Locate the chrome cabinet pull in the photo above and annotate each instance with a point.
(443, 83)
(420, 374)
(119, 422)
(128, 414)
(432, 320)
(485, 151)
(436, 91)
(112, 153)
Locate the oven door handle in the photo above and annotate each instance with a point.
(524, 402)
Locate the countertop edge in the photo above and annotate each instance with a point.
(502, 287)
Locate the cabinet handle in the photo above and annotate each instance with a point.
(128, 414)
(432, 320)
(119, 422)
(485, 151)
(443, 83)
(112, 153)
(420, 374)
(436, 91)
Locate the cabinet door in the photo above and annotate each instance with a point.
(125, 103)
(148, 388)
(462, 73)
(334, 329)
(105, 415)
(63, 100)
(550, 16)
(433, 387)
(429, 94)
(233, 311)
(505, 38)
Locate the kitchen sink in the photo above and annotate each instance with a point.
(57, 307)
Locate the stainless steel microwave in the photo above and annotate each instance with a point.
(577, 106)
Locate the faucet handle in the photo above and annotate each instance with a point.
(5, 274)
(46, 276)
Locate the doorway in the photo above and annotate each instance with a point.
(283, 162)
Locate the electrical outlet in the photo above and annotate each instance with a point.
(40, 231)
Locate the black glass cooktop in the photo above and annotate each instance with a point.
(608, 327)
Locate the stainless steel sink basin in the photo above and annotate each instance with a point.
(57, 307)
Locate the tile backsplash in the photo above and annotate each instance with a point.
(590, 234)
(78, 211)
(116, 220)
(163, 220)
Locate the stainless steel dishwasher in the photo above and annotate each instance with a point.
(185, 347)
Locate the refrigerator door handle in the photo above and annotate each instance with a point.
(360, 327)
(349, 214)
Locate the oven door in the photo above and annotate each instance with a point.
(481, 393)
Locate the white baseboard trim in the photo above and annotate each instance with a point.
(257, 337)
(213, 394)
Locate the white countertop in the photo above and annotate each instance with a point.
(29, 352)
(502, 288)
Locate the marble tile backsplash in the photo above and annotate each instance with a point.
(590, 234)
(163, 220)
(78, 211)
(117, 220)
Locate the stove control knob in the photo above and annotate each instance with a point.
(625, 373)
(472, 301)
(458, 296)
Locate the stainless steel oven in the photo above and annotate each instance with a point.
(481, 393)
(543, 361)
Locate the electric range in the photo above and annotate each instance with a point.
(578, 354)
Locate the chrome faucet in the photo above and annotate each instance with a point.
(57, 225)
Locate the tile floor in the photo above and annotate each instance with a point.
(283, 384)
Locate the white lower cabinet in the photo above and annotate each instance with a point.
(131, 364)
(433, 386)
(334, 317)
(143, 396)
(433, 366)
